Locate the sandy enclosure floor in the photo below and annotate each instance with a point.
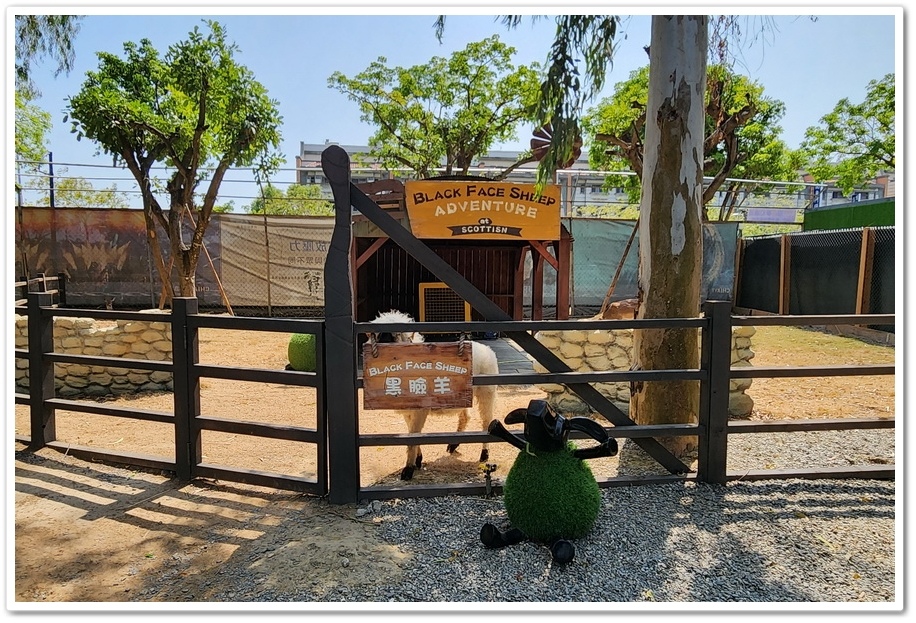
(91, 532)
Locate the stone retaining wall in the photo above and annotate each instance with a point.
(604, 350)
(87, 336)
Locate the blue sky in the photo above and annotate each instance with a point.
(808, 64)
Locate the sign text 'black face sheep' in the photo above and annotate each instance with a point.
(550, 492)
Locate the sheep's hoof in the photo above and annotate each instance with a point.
(407, 473)
(451, 448)
(562, 551)
(484, 455)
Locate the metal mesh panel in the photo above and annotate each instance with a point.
(439, 303)
(883, 286)
(824, 272)
(759, 279)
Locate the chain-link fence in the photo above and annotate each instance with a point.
(842, 271)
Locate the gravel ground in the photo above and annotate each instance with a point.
(794, 541)
(754, 545)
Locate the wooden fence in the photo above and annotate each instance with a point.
(337, 447)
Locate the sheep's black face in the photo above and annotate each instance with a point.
(386, 338)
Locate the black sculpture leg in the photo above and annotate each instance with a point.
(562, 551)
(491, 537)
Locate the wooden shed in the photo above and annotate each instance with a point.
(486, 249)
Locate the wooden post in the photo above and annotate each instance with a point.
(785, 256)
(185, 388)
(340, 343)
(42, 426)
(715, 358)
(563, 249)
(61, 289)
(866, 262)
(537, 286)
(736, 282)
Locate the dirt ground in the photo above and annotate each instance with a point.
(117, 535)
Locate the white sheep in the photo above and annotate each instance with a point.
(483, 362)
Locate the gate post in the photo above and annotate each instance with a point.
(42, 426)
(715, 358)
(185, 387)
(340, 343)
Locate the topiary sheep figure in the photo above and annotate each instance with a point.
(550, 492)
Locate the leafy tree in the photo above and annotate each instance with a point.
(855, 142)
(299, 200)
(446, 110)
(78, 192)
(194, 109)
(741, 136)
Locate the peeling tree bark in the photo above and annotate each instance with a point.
(670, 222)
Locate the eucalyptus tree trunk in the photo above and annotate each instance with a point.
(670, 223)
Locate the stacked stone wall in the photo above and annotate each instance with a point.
(606, 350)
(86, 336)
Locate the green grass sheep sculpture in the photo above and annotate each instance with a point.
(550, 492)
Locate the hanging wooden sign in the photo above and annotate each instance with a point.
(462, 210)
(428, 375)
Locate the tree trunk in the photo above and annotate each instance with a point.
(152, 240)
(670, 222)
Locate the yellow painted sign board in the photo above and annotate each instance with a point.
(427, 375)
(462, 210)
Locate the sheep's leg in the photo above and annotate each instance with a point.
(462, 424)
(486, 403)
(415, 422)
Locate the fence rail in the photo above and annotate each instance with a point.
(712, 429)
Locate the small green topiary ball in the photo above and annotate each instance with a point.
(551, 495)
(301, 352)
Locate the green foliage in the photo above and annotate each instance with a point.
(748, 230)
(580, 40)
(760, 153)
(445, 110)
(299, 200)
(32, 127)
(550, 495)
(78, 192)
(620, 211)
(855, 142)
(40, 36)
(196, 110)
(301, 352)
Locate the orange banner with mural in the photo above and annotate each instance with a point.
(480, 210)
